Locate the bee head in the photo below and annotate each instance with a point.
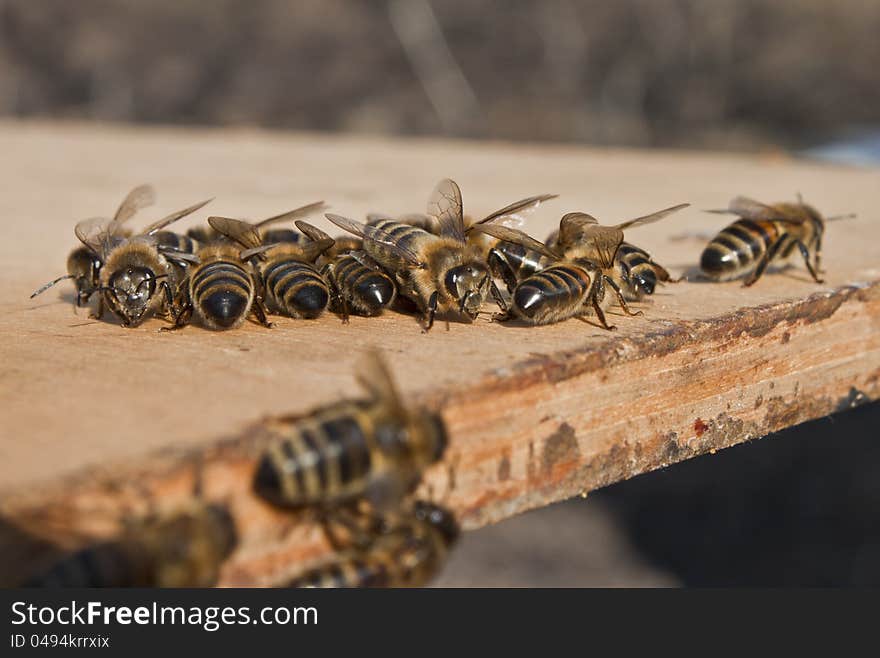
(439, 518)
(468, 284)
(129, 292)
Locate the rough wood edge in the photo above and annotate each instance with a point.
(37, 523)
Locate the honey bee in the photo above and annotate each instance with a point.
(182, 549)
(268, 235)
(374, 448)
(762, 234)
(134, 269)
(439, 272)
(569, 286)
(358, 283)
(84, 264)
(629, 267)
(286, 270)
(220, 290)
(406, 549)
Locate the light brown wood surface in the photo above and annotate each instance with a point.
(101, 422)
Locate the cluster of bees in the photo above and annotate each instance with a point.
(358, 462)
(436, 262)
(355, 463)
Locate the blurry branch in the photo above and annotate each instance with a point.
(426, 48)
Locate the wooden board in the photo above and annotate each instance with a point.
(102, 422)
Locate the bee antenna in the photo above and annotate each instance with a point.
(50, 284)
(835, 218)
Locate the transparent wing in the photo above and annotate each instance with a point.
(291, 215)
(523, 205)
(516, 236)
(377, 235)
(653, 217)
(99, 234)
(314, 249)
(139, 198)
(239, 231)
(573, 228)
(445, 205)
(173, 217)
(605, 240)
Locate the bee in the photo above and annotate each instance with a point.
(567, 287)
(134, 269)
(628, 266)
(358, 283)
(84, 264)
(439, 272)
(762, 234)
(206, 234)
(182, 549)
(406, 549)
(220, 290)
(286, 270)
(374, 448)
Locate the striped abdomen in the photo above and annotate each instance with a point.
(282, 235)
(513, 262)
(222, 292)
(176, 241)
(295, 288)
(638, 270)
(369, 570)
(104, 565)
(555, 293)
(405, 235)
(322, 458)
(738, 248)
(366, 291)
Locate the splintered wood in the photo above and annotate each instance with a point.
(102, 422)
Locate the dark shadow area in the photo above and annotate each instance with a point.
(799, 507)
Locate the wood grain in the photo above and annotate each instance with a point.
(102, 422)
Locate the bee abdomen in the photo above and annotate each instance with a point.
(353, 572)
(553, 289)
(296, 289)
(366, 289)
(405, 235)
(637, 268)
(105, 565)
(176, 241)
(223, 292)
(737, 249)
(322, 460)
(288, 235)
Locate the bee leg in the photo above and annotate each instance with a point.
(182, 318)
(620, 299)
(806, 255)
(501, 268)
(340, 301)
(261, 312)
(496, 295)
(432, 311)
(99, 311)
(601, 315)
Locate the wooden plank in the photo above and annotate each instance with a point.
(101, 422)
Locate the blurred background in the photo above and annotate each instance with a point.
(798, 76)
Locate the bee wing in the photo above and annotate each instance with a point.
(311, 232)
(516, 236)
(259, 249)
(376, 235)
(99, 234)
(373, 374)
(244, 233)
(605, 241)
(173, 217)
(523, 205)
(653, 217)
(445, 205)
(139, 198)
(303, 211)
(364, 259)
(750, 209)
(573, 227)
(178, 256)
